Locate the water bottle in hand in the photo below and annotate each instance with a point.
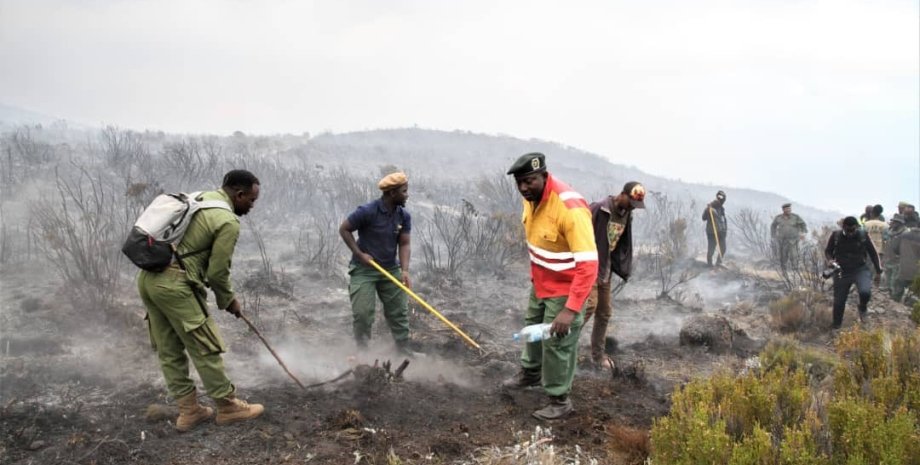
(533, 333)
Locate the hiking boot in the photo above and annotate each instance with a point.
(191, 414)
(524, 379)
(231, 410)
(559, 407)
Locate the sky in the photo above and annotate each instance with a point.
(816, 100)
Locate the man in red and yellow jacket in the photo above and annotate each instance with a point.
(563, 268)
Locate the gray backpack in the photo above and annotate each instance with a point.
(152, 242)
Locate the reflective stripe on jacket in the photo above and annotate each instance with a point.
(560, 239)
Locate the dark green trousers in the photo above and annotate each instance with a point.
(365, 286)
(555, 357)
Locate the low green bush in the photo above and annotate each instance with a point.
(802, 407)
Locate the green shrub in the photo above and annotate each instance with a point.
(787, 353)
(799, 446)
(756, 449)
(862, 433)
(789, 412)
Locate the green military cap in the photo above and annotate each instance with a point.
(533, 162)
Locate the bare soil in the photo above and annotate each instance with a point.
(77, 386)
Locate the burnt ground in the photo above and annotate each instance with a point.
(76, 387)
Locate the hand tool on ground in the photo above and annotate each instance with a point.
(253, 328)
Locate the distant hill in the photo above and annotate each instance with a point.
(455, 154)
(11, 117)
(442, 154)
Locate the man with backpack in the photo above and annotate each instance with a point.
(176, 302)
(383, 236)
(848, 249)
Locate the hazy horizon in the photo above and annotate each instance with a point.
(818, 101)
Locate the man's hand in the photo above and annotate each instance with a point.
(878, 278)
(405, 279)
(365, 258)
(234, 308)
(562, 323)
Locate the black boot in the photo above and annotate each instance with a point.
(559, 407)
(863, 313)
(524, 379)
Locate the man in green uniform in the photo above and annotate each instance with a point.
(892, 264)
(176, 302)
(383, 231)
(786, 231)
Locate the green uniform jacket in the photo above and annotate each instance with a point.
(209, 241)
(787, 228)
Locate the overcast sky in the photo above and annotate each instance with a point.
(816, 100)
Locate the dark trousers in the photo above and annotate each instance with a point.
(862, 277)
(712, 247)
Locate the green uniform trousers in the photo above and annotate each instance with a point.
(365, 286)
(178, 324)
(556, 357)
(894, 285)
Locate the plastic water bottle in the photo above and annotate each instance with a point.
(533, 333)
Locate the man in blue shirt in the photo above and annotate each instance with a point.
(383, 231)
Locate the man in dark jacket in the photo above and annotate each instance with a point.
(848, 249)
(716, 227)
(612, 222)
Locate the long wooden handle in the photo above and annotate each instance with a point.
(253, 328)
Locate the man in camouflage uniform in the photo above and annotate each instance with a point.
(891, 263)
(877, 229)
(786, 232)
(176, 302)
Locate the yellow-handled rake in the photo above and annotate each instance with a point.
(715, 232)
(431, 309)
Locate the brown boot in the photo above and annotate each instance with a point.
(190, 412)
(231, 410)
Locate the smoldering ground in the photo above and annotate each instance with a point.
(79, 373)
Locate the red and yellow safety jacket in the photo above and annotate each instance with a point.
(560, 238)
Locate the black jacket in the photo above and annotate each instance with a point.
(718, 214)
(619, 260)
(850, 251)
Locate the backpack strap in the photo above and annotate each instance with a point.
(202, 205)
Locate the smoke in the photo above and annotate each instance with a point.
(315, 362)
